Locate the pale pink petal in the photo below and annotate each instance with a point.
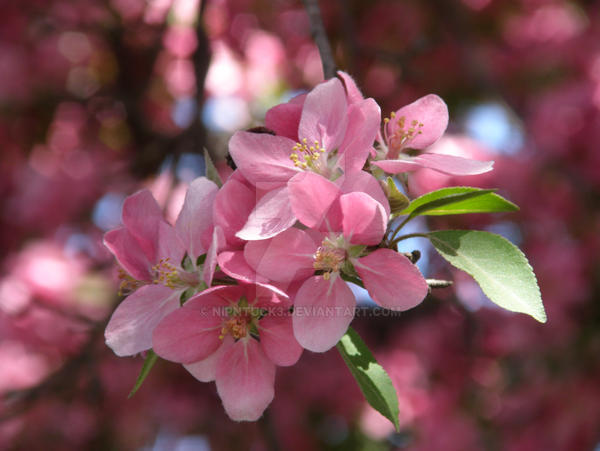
(196, 215)
(233, 203)
(130, 328)
(278, 341)
(268, 297)
(273, 214)
(260, 289)
(324, 116)
(323, 310)
(391, 279)
(206, 370)
(141, 216)
(431, 111)
(366, 183)
(364, 119)
(128, 253)
(404, 164)
(190, 333)
(450, 164)
(245, 378)
(234, 265)
(284, 118)
(219, 295)
(263, 158)
(210, 264)
(353, 93)
(313, 199)
(170, 245)
(364, 219)
(224, 170)
(294, 247)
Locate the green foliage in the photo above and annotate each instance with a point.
(149, 362)
(372, 379)
(398, 201)
(458, 200)
(498, 266)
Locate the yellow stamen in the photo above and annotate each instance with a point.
(237, 326)
(329, 259)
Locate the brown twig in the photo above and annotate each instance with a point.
(319, 35)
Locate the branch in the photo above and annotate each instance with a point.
(320, 37)
(62, 382)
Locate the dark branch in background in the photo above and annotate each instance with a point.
(317, 29)
(351, 44)
(61, 383)
(136, 72)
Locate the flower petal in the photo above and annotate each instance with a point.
(130, 328)
(128, 253)
(365, 182)
(363, 124)
(450, 164)
(391, 279)
(405, 164)
(233, 203)
(284, 119)
(364, 219)
(210, 264)
(170, 245)
(294, 247)
(323, 310)
(245, 378)
(324, 116)
(272, 215)
(431, 111)
(278, 341)
(263, 158)
(352, 92)
(234, 265)
(206, 370)
(313, 199)
(196, 215)
(190, 333)
(141, 216)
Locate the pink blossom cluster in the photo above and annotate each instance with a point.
(254, 271)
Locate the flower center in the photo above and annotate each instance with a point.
(237, 326)
(402, 133)
(172, 277)
(305, 156)
(329, 259)
(128, 284)
(242, 320)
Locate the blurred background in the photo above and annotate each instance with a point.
(101, 97)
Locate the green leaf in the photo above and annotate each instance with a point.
(458, 200)
(398, 201)
(187, 264)
(149, 362)
(211, 171)
(372, 379)
(187, 294)
(498, 266)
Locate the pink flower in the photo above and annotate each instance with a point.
(344, 229)
(161, 262)
(334, 137)
(242, 211)
(234, 335)
(417, 126)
